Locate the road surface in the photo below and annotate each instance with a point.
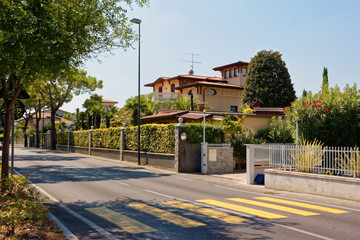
(96, 198)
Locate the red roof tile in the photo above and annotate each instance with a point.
(239, 63)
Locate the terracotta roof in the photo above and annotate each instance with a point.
(194, 115)
(211, 84)
(239, 63)
(194, 77)
(156, 81)
(168, 114)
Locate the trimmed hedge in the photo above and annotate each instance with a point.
(213, 133)
(158, 138)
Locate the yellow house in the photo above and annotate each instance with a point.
(221, 94)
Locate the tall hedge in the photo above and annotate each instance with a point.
(213, 133)
(81, 138)
(158, 138)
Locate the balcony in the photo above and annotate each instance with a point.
(164, 95)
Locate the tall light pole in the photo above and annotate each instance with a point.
(138, 21)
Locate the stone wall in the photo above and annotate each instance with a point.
(220, 160)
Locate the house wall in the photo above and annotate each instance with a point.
(223, 99)
(256, 123)
(238, 80)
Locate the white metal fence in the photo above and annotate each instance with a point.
(315, 159)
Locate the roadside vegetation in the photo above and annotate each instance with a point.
(22, 214)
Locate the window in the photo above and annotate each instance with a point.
(233, 108)
(231, 73)
(244, 71)
(226, 74)
(160, 89)
(236, 72)
(172, 87)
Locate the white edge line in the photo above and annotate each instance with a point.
(246, 215)
(294, 199)
(69, 235)
(99, 229)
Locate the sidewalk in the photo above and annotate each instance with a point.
(239, 177)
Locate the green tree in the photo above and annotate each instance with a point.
(268, 81)
(57, 90)
(325, 83)
(131, 108)
(94, 109)
(332, 117)
(51, 36)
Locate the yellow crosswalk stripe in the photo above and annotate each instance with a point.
(127, 224)
(238, 208)
(273, 206)
(304, 205)
(166, 215)
(206, 211)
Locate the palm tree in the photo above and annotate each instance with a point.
(131, 107)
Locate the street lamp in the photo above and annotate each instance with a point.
(138, 21)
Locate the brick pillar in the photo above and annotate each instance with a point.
(180, 140)
(122, 141)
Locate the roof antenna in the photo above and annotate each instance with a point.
(191, 72)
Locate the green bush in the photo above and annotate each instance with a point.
(106, 138)
(332, 116)
(19, 203)
(153, 138)
(239, 139)
(213, 133)
(280, 131)
(81, 138)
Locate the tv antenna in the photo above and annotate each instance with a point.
(192, 61)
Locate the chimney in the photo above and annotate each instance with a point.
(191, 72)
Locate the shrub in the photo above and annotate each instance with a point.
(332, 116)
(280, 131)
(213, 133)
(308, 155)
(239, 139)
(154, 138)
(81, 138)
(19, 203)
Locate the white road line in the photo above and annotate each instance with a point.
(69, 235)
(294, 199)
(184, 179)
(97, 228)
(122, 183)
(245, 215)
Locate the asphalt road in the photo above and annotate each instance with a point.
(96, 198)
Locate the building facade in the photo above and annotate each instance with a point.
(220, 93)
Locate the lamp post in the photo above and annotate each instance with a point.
(138, 21)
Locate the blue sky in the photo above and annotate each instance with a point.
(310, 35)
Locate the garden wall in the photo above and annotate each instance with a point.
(325, 185)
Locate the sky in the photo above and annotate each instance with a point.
(309, 34)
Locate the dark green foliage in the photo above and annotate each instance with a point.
(325, 83)
(280, 131)
(153, 138)
(213, 134)
(332, 117)
(268, 81)
(239, 139)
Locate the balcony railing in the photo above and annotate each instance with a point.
(164, 95)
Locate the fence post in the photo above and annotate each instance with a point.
(68, 143)
(92, 128)
(180, 140)
(122, 141)
(250, 163)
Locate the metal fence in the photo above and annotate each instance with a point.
(339, 161)
(218, 145)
